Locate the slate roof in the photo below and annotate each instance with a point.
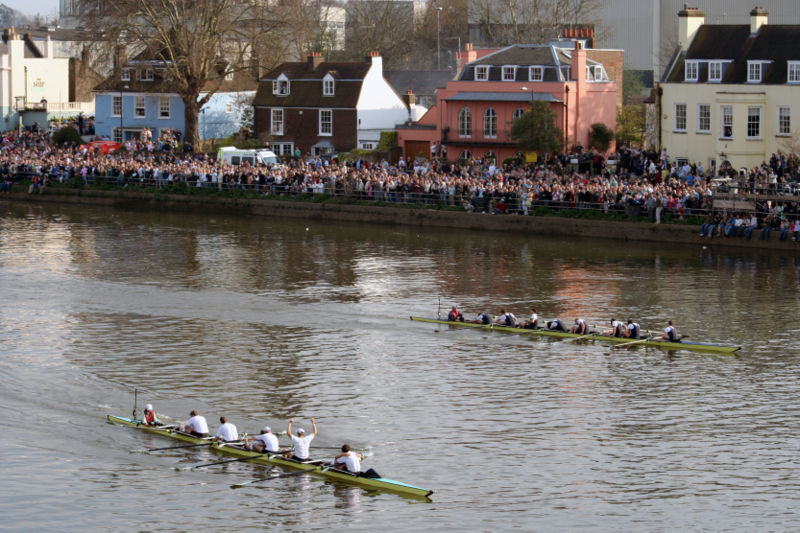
(421, 82)
(773, 42)
(305, 85)
(523, 56)
(242, 81)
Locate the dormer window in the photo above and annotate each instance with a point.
(482, 73)
(536, 73)
(691, 70)
(229, 76)
(126, 75)
(145, 74)
(280, 86)
(328, 85)
(509, 73)
(753, 72)
(715, 71)
(793, 74)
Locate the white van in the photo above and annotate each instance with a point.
(237, 156)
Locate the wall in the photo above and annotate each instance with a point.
(379, 107)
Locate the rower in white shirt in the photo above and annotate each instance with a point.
(266, 441)
(348, 460)
(301, 441)
(227, 432)
(670, 333)
(195, 426)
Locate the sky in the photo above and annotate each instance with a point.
(31, 7)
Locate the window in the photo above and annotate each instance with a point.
(536, 74)
(283, 148)
(680, 117)
(704, 118)
(327, 85)
(784, 120)
(163, 107)
(509, 73)
(325, 122)
(139, 107)
(726, 116)
(465, 154)
(518, 112)
(482, 73)
(715, 71)
(367, 146)
(690, 71)
(117, 135)
(465, 122)
(794, 72)
(753, 72)
(276, 127)
(490, 123)
(116, 106)
(229, 107)
(280, 86)
(126, 75)
(753, 122)
(229, 76)
(145, 74)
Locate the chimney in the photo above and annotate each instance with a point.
(409, 98)
(314, 60)
(376, 60)
(758, 18)
(689, 21)
(119, 57)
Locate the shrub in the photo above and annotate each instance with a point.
(67, 135)
(600, 136)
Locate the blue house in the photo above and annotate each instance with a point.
(139, 95)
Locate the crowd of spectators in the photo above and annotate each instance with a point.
(639, 183)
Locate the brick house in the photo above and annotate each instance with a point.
(321, 107)
(473, 113)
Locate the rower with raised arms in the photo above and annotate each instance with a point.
(301, 441)
(670, 333)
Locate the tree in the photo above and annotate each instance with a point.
(600, 136)
(385, 26)
(631, 125)
(198, 43)
(536, 131)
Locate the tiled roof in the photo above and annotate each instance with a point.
(524, 56)
(305, 85)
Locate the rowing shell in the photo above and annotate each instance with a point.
(382, 484)
(658, 343)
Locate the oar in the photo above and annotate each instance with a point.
(581, 337)
(209, 443)
(288, 474)
(638, 341)
(228, 461)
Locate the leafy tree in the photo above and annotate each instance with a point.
(67, 135)
(536, 130)
(632, 85)
(600, 136)
(631, 125)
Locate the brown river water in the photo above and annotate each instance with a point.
(265, 319)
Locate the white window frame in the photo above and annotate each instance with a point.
(326, 126)
(793, 72)
(125, 75)
(283, 148)
(367, 145)
(754, 71)
(725, 113)
(465, 123)
(229, 107)
(701, 115)
(691, 71)
(145, 74)
(139, 105)
(114, 100)
(509, 73)
(281, 86)
(481, 72)
(536, 73)
(755, 111)
(676, 127)
(277, 116)
(328, 85)
(490, 123)
(117, 135)
(711, 66)
(784, 132)
(229, 76)
(161, 107)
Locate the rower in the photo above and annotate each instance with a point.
(580, 327)
(618, 329)
(266, 441)
(227, 432)
(634, 331)
(195, 426)
(506, 319)
(670, 333)
(301, 441)
(347, 460)
(149, 417)
(455, 315)
(533, 322)
(556, 325)
(482, 318)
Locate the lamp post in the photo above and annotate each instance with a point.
(438, 40)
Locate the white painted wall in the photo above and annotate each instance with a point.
(379, 108)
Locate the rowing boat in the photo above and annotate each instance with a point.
(657, 343)
(382, 484)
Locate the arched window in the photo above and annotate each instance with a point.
(465, 122)
(490, 123)
(327, 85)
(518, 112)
(465, 154)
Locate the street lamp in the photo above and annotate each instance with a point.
(526, 89)
(438, 40)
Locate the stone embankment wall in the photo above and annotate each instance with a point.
(331, 212)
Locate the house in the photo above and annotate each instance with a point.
(38, 82)
(730, 93)
(138, 95)
(321, 107)
(473, 113)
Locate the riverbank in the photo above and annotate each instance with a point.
(325, 212)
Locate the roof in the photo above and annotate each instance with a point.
(503, 97)
(298, 70)
(305, 84)
(775, 44)
(524, 56)
(242, 81)
(420, 82)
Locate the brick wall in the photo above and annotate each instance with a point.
(613, 61)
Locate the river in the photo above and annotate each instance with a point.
(263, 319)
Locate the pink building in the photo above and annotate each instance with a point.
(473, 114)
